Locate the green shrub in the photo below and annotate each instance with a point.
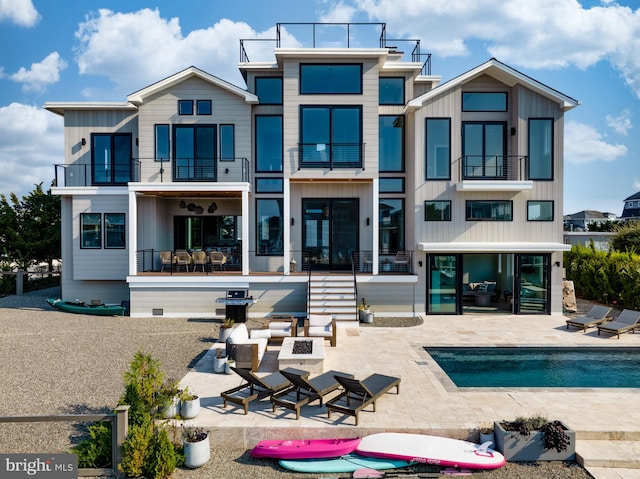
(163, 458)
(136, 450)
(95, 451)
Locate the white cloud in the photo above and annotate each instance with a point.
(540, 34)
(620, 124)
(136, 49)
(20, 12)
(584, 144)
(636, 183)
(31, 142)
(41, 74)
(339, 13)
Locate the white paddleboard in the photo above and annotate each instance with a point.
(442, 451)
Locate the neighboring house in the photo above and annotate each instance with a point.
(581, 220)
(631, 208)
(600, 240)
(339, 159)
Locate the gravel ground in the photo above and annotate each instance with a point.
(58, 363)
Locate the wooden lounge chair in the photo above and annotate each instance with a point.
(359, 394)
(596, 315)
(304, 390)
(254, 389)
(628, 320)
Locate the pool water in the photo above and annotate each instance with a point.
(540, 367)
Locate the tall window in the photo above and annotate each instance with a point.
(269, 148)
(91, 230)
(269, 90)
(114, 230)
(391, 143)
(391, 91)
(227, 142)
(269, 227)
(162, 142)
(478, 210)
(327, 78)
(540, 149)
(391, 213)
(111, 158)
(331, 136)
(194, 153)
(438, 148)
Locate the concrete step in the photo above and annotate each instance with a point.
(331, 284)
(333, 296)
(608, 454)
(340, 303)
(349, 291)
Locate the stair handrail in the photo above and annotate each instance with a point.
(308, 283)
(355, 282)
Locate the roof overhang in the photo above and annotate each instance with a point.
(493, 247)
(59, 107)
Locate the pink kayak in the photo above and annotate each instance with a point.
(305, 448)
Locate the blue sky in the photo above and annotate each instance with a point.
(102, 50)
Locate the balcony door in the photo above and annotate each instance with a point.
(330, 232)
(194, 153)
(484, 149)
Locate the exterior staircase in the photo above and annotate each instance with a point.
(333, 294)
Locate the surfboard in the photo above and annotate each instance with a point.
(347, 463)
(304, 448)
(436, 450)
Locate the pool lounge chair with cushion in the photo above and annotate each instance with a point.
(304, 390)
(596, 315)
(359, 394)
(628, 320)
(254, 389)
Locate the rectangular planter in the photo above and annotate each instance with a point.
(515, 447)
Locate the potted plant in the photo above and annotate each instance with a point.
(363, 309)
(485, 430)
(225, 329)
(231, 363)
(197, 450)
(189, 404)
(168, 399)
(219, 361)
(535, 439)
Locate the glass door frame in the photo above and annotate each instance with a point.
(518, 277)
(457, 283)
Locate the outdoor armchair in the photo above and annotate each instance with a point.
(321, 325)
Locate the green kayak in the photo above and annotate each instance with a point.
(82, 308)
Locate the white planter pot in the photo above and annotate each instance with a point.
(190, 409)
(172, 410)
(219, 364)
(224, 334)
(367, 318)
(228, 366)
(196, 454)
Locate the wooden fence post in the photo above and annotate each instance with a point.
(120, 431)
(19, 283)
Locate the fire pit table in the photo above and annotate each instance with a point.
(302, 353)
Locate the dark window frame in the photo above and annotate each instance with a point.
(445, 209)
(401, 102)
(401, 238)
(192, 167)
(269, 191)
(204, 102)
(468, 205)
(302, 67)
(384, 178)
(501, 93)
(256, 155)
(182, 103)
(259, 79)
(402, 145)
(113, 163)
(221, 128)
(155, 142)
(258, 229)
(553, 212)
(553, 139)
(426, 149)
(106, 231)
(97, 234)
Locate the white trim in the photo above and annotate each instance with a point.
(89, 190)
(493, 247)
(133, 232)
(489, 185)
(59, 107)
(211, 187)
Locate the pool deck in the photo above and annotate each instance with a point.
(607, 421)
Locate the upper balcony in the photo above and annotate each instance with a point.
(333, 35)
(153, 171)
(493, 173)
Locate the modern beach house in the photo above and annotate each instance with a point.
(343, 170)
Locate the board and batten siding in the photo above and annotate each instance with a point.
(102, 263)
(162, 108)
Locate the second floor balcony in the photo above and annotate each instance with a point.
(493, 173)
(330, 155)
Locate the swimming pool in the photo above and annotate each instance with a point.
(540, 367)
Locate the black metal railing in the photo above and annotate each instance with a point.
(86, 174)
(330, 155)
(174, 261)
(389, 262)
(493, 167)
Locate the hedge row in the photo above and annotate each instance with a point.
(606, 277)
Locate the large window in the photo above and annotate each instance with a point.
(479, 210)
(540, 149)
(483, 148)
(204, 232)
(437, 210)
(391, 143)
(269, 227)
(269, 90)
(269, 143)
(391, 216)
(539, 210)
(328, 78)
(391, 91)
(194, 153)
(438, 148)
(227, 142)
(331, 136)
(162, 142)
(91, 230)
(480, 101)
(114, 230)
(111, 158)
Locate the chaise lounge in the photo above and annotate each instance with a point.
(596, 315)
(628, 320)
(304, 390)
(357, 395)
(254, 389)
